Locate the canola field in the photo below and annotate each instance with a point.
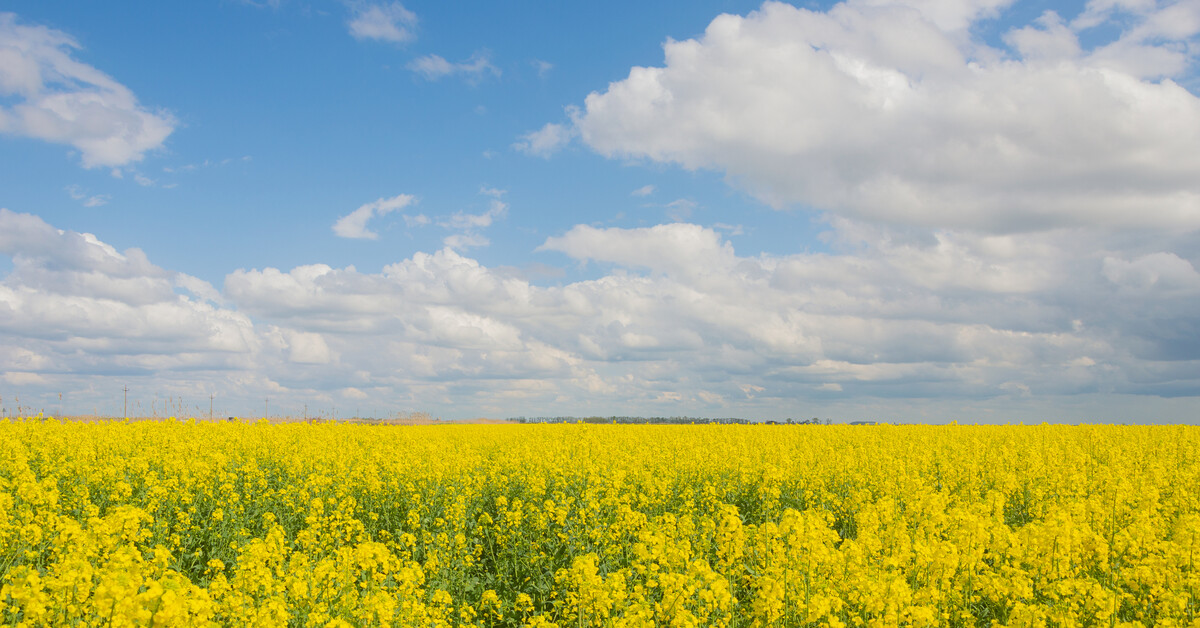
(240, 524)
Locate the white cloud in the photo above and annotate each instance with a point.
(462, 220)
(1158, 39)
(354, 393)
(198, 287)
(384, 22)
(434, 67)
(543, 67)
(676, 248)
(307, 348)
(545, 141)
(468, 225)
(891, 112)
(680, 209)
(354, 224)
(645, 190)
(52, 97)
(419, 220)
(733, 230)
(1050, 40)
(1156, 271)
(750, 390)
(461, 241)
(88, 200)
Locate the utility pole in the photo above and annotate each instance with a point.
(210, 398)
(126, 402)
(266, 412)
(306, 412)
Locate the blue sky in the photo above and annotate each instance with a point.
(905, 210)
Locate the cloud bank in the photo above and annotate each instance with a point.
(677, 322)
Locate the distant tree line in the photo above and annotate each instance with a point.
(660, 420)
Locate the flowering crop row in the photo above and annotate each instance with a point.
(173, 523)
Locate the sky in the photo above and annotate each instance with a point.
(896, 210)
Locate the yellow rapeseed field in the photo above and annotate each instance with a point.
(185, 523)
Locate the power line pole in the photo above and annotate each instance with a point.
(210, 398)
(266, 412)
(126, 402)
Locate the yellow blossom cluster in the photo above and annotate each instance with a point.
(209, 524)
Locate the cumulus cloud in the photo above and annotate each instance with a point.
(354, 224)
(50, 96)
(383, 22)
(891, 111)
(434, 67)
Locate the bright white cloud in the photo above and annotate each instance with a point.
(384, 22)
(50, 96)
(545, 141)
(434, 67)
(354, 224)
(889, 111)
(645, 190)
